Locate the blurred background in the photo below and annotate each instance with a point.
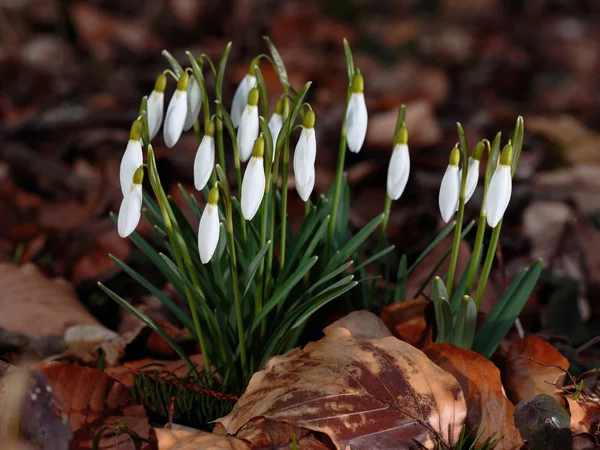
(72, 74)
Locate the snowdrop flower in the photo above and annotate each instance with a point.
(399, 167)
(450, 187)
(240, 96)
(356, 115)
(473, 171)
(275, 123)
(131, 206)
(208, 231)
(156, 105)
(304, 157)
(500, 188)
(248, 131)
(176, 112)
(205, 157)
(194, 103)
(253, 184)
(132, 158)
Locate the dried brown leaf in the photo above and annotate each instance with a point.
(479, 379)
(201, 440)
(362, 325)
(407, 319)
(378, 393)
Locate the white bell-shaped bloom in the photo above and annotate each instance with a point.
(304, 157)
(131, 206)
(204, 162)
(240, 97)
(450, 187)
(176, 112)
(248, 130)
(132, 158)
(500, 188)
(356, 115)
(253, 184)
(208, 231)
(194, 103)
(275, 124)
(305, 181)
(472, 178)
(398, 171)
(156, 106)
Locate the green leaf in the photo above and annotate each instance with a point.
(325, 297)
(437, 295)
(517, 142)
(278, 60)
(544, 424)
(174, 63)
(262, 88)
(466, 322)
(401, 280)
(464, 147)
(446, 331)
(268, 159)
(349, 61)
(439, 238)
(228, 124)
(150, 323)
(375, 257)
(291, 118)
(498, 323)
(190, 203)
(253, 267)
(221, 73)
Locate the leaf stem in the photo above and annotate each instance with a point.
(487, 265)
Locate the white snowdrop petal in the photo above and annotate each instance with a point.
(472, 178)
(307, 183)
(156, 105)
(194, 103)
(204, 162)
(132, 159)
(449, 190)
(498, 195)
(356, 122)
(248, 132)
(175, 118)
(240, 98)
(208, 232)
(275, 124)
(130, 211)
(398, 171)
(253, 187)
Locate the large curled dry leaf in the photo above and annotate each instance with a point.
(92, 399)
(487, 406)
(201, 440)
(377, 393)
(37, 306)
(361, 325)
(583, 398)
(533, 366)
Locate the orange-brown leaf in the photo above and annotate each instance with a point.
(479, 379)
(529, 369)
(361, 325)
(407, 319)
(188, 440)
(378, 393)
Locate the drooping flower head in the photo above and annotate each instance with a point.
(248, 131)
(500, 189)
(356, 115)
(253, 184)
(208, 231)
(176, 112)
(276, 122)
(473, 170)
(194, 103)
(131, 206)
(132, 158)
(156, 105)
(450, 187)
(241, 95)
(304, 157)
(399, 167)
(204, 162)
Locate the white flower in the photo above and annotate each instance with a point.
(208, 231)
(472, 178)
(204, 161)
(275, 124)
(304, 162)
(131, 206)
(248, 131)
(498, 195)
(356, 122)
(176, 113)
(240, 97)
(398, 171)
(156, 105)
(132, 158)
(450, 187)
(253, 184)
(194, 103)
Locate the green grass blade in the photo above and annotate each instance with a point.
(253, 267)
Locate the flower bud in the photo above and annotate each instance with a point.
(248, 130)
(176, 112)
(204, 162)
(240, 98)
(304, 157)
(356, 115)
(253, 184)
(156, 105)
(450, 187)
(399, 168)
(132, 158)
(194, 103)
(130, 211)
(500, 189)
(208, 231)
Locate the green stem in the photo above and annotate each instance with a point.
(459, 223)
(220, 145)
(337, 188)
(284, 196)
(238, 175)
(258, 295)
(477, 248)
(386, 211)
(487, 265)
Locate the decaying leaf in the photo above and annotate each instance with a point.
(361, 325)
(487, 406)
(92, 399)
(533, 366)
(544, 424)
(583, 398)
(201, 440)
(36, 306)
(378, 393)
(407, 319)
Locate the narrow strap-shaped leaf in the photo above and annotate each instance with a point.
(349, 60)
(401, 280)
(253, 267)
(375, 257)
(433, 244)
(322, 299)
(190, 203)
(447, 328)
(262, 89)
(221, 73)
(291, 118)
(174, 63)
(278, 60)
(466, 321)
